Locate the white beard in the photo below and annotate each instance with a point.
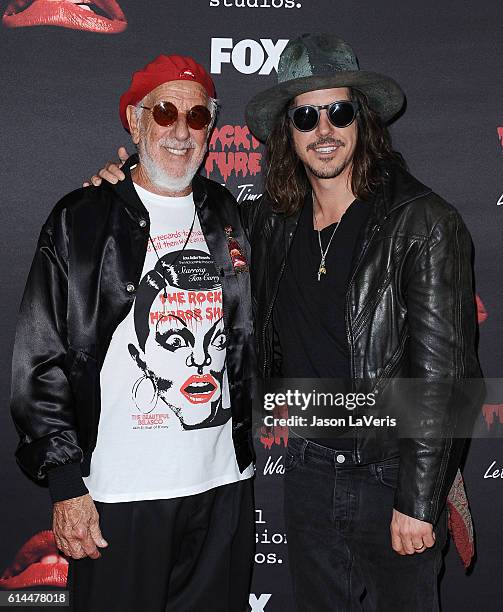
(158, 175)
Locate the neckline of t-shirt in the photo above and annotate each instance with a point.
(331, 226)
(163, 201)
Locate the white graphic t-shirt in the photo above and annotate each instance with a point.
(165, 428)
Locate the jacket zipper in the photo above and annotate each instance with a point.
(391, 364)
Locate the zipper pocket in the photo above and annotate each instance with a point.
(391, 366)
(364, 315)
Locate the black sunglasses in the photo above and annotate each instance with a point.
(306, 117)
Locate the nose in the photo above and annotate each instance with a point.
(324, 126)
(198, 359)
(181, 128)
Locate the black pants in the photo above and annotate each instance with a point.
(338, 519)
(189, 554)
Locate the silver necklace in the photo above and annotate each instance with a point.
(322, 267)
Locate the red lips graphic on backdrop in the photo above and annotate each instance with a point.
(100, 16)
(37, 563)
(481, 310)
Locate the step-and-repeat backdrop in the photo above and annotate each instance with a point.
(64, 66)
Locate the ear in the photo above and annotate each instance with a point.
(135, 354)
(133, 122)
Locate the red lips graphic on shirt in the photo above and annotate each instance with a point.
(100, 16)
(199, 389)
(37, 563)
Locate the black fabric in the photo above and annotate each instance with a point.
(309, 313)
(65, 482)
(347, 548)
(171, 555)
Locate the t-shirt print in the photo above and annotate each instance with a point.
(181, 341)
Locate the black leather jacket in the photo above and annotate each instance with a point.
(81, 285)
(410, 312)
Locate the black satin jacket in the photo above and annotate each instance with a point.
(410, 313)
(81, 285)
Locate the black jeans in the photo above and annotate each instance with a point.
(186, 554)
(338, 517)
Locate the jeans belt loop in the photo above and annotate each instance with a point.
(303, 451)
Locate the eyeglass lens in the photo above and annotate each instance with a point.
(340, 114)
(166, 113)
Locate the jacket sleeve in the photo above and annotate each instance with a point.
(41, 401)
(442, 351)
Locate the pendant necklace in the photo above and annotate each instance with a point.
(322, 267)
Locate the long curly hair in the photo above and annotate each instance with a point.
(286, 181)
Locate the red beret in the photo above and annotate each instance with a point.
(163, 69)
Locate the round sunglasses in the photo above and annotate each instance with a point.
(166, 113)
(306, 117)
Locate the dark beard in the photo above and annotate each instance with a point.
(328, 173)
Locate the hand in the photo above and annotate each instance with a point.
(410, 535)
(111, 172)
(76, 529)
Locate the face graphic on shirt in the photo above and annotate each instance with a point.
(188, 362)
(181, 343)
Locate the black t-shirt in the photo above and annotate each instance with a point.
(309, 314)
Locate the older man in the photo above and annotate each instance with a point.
(133, 363)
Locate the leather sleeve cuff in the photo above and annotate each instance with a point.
(65, 482)
(419, 509)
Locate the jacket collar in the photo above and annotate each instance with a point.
(125, 189)
(199, 190)
(398, 187)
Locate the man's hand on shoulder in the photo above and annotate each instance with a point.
(410, 535)
(76, 528)
(111, 172)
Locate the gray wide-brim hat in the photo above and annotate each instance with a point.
(320, 61)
